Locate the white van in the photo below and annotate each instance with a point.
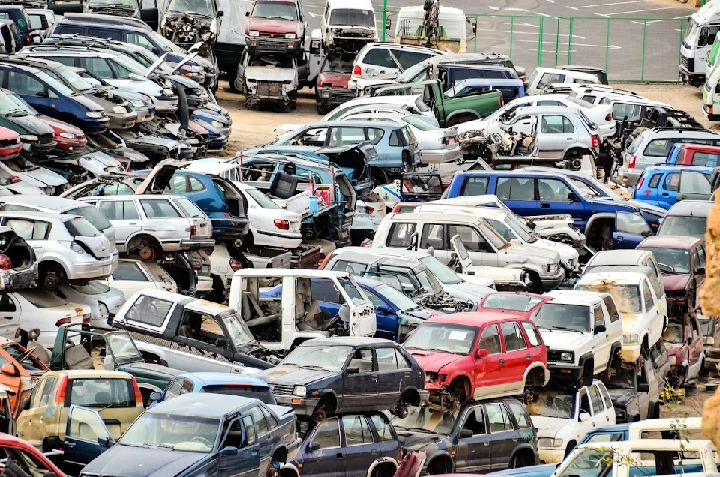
(542, 77)
(348, 24)
(700, 35)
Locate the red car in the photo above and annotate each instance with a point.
(275, 26)
(698, 155)
(684, 344)
(479, 355)
(332, 84)
(24, 456)
(10, 144)
(68, 137)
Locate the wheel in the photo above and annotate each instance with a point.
(587, 375)
(571, 445)
(319, 415)
(536, 285)
(232, 76)
(50, 281)
(401, 410)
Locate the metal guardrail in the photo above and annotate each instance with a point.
(628, 48)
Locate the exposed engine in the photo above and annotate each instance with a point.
(185, 30)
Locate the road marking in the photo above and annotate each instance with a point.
(314, 15)
(612, 47)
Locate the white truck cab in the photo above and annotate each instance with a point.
(700, 35)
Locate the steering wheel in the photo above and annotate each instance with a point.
(201, 440)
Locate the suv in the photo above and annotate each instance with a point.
(478, 436)
(583, 334)
(693, 155)
(687, 217)
(385, 61)
(275, 26)
(67, 247)
(652, 147)
(563, 417)
(543, 77)
(148, 225)
(450, 348)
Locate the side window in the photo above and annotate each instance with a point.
(149, 310)
(502, 229)
(647, 296)
(403, 363)
(24, 84)
(490, 340)
(379, 57)
(599, 317)
(596, 400)
(659, 147)
(551, 124)
(521, 416)
(119, 209)
(399, 235)
(374, 135)
(397, 139)
(103, 33)
(475, 421)
(28, 229)
(250, 433)
(532, 334)
(474, 186)
(553, 190)
(550, 103)
(585, 402)
(140, 40)
(97, 66)
(345, 136)
(327, 434)
(71, 30)
(549, 78)
(129, 271)
(656, 286)
(433, 235)
(694, 182)
(471, 238)
(269, 418)
(513, 337)
(158, 208)
(515, 188)
(386, 359)
(362, 360)
(195, 185)
(260, 422)
(357, 431)
(654, 181)
(408, 58)
(606, 396)
(382, 428)
(568, 126)
(498, 418)
(48, 392)
(700, 257)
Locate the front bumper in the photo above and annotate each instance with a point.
(165, 104)
(301, 406)
(122, 121)
(551, 455)
(440, 156)
(693, 79)
(565, 372)
(89, 125)
(553, 280)
(331, 97)
(263, 44)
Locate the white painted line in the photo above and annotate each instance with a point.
(633, 11)
(573, 8)
(620, 3)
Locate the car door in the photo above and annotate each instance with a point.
(557, 133)
(33, 91)
(601, 415)
(84, 428)
(694, 185)
(481, 251)
(31, 425)
(519, 194)
(473, 441)
(265, 436)
(385, 313)
(9, 315)
(517, 356)
(26, 229)
(630, 229)
(555, 196)
(435, 236)
(653, 319)
(393, 376)
(322, 454)
(614, 327)
(648, 192)
(503, 435)
(667, 190)
(360, 379)
(490, 373)
(600, 342)
(124, 216)
(239, 448)
(164, 221)
(586, 420)
(359, 443)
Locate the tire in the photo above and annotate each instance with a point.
(535, 283)
(587, 375)
(571, 445)
(232, 76)
(50, 281)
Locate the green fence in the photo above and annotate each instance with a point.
(629, 49)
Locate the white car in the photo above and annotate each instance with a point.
(270, 224)
(131, 276)
(643, 322)
(542, 77)
(66, 246)
(385, 61)
(44, 179)
(40, 309)
(102, 300)
(563, 417)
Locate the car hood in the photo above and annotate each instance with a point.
(30, 123)
(292, 375)
(548, 426)
(416, 440)
(270, 73)
(419, 312)
(521, 250)
(272, 25)
(677, 281)
(433, 361)
(44, 176)
(565, 251)
(334, 79)
(90, 101)
(564, 340)
(142, 462)
(467, 291)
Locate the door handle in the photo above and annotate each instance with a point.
(527, 356)
(569, 139)
(607, 418)
(665, 194)
(340, 455)
(620, 238)
(544, 206)
(502, 361)
(132, 223)
(69, 444)
(8, 317)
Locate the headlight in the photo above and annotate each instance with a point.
(566, 356)
(166, 92)
(549, 442)
(78, 249)
(119, 109)
(138, 104)
(631, 338)
(326, 94)
(300, 391)
(217, 124)
(28, 137)
(254, 33)
(552, 267)
(95, 114)
(290, 36)
(67, 135)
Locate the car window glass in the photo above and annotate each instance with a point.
(585, 402)
(357, 431)
(475, 421)
(386, 359)
(104, 33)
(490, 340)
(513, 337)
(400, 234)
(695, 183)
(549, 78)
(250, 434)
(647, 296)
(269, 418)
(659, 147)
(521, 416)
(28, 229)
(7, 304)
(515, 188)
(119, 209)
(553, 190)
(260, 421)
(345, 136)
(65, 60)
(362, 360)
(606, 437)
(70, 30)
(374, 135)
(379, 57)
(611, 308)
(551, 124)
(596, 400)
(599, 316)
(24, 84)
(657, 286)
(700, 257)
(327, 434)
(672, 180)
(158, 208)
(138, 39)
(48, 392)
(498, 418)
(149, 310)
(606, 396)
(433, 236)
(550, 103)
(532, 334)
(97, 66)
(174, 389)
(471, 238)
(654, 181)
(195, 185)
(501, 229)
(704, 159)
(129, 271)
(408, 58)
(475, 186)
(382, 428)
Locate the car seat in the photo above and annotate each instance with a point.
(76, 357)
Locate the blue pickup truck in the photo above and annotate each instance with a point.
(606, 224)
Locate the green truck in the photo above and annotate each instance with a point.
(448, 109)
(81, 346)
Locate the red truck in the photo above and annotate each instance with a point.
(21, 455)
(275, 26)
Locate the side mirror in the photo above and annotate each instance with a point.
(700, 271)
(156, 396)
(8, 369)
(221, 343)
(643, 388)
(572, 197)
(384, 309)
(482, 353)
(584, 416)
(600, 329)
(106, 441)
(220, 14)
(313, 447)
(352, 371)
(247, 14)
(229, 451)
(26, 404)
(465, 433)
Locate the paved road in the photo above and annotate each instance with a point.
(621, 51)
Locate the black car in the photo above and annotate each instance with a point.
(479, 437)
(347, 374)
(634, 393)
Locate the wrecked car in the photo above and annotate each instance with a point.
(268, 79)
(323, 376)
(20, 372)
(18, 268)
(275, 26)
(332, 84)
(119, 8)
(187, 22)
(348, 27)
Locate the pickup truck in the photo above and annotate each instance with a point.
(448, 110)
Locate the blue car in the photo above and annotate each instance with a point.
(197, 434)
(510, 88)
(665, 185)
(216, 383)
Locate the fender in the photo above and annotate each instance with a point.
(56, 259)
(521, 447)
(444, 453)
(536, 365)
(585, 357)
(140, 232)
(382, 460)
(288, 470)
(463, 111)
(602, 215)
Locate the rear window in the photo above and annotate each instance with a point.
(80, 227)
(42, 298)
(188, 207)
(262, 393)
(96, 392)
(159, 209)
(92, 215)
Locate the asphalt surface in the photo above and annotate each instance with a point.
(604, 33)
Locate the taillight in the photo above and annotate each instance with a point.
(595, 141)
(608, 117)
(87, 318)
(235, 265)
(631, 164)
(14, 179)
(63, 321)
(282, 224)
(324, 262)
(640, 183)
(138, 394)
(370, 210)
(501, 101)
(193, 230)
(357, 70)
(27, 38)
(61, 390)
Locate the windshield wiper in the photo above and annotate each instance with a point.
(164, 446)
(17, 113)
(561, 328)
(312, 366)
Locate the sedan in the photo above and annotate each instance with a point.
(131, 276)
(103, 301)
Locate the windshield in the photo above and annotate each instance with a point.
(415, 70)
(93, 287)
(92, 215)
(68, 78)
(443, 337)
(510, 301)
(9, 107)
(238, 331)
(262, 393)
(559, 316)
(352, 17)
(679, 225)
(442, 272)
(691, 34)
(623, 378)
(678, 259)
(123, 347)
(627, 297)
(329, 358)
(395, 297)
(282, 10)
(418, 123)
(557, 404)
(674, 333)
(176, 432)
(580, 102)
(21, 104)
(636, 143)
(124, 66)
(584, 189)
(427, 419)
(262, 200)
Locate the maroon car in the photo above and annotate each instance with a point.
(332, 84)
(67, 137)
(682, 263)
(684, 343)
(275, 26)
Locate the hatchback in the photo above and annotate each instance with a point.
(383, 61)
(665, 185)
(217, 383)
(688, 217)
(694, 155)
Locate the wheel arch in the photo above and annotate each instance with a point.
(53, 260)
(536, 367)
(524, 448)
(382, 461)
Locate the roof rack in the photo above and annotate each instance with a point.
(26, 61)
(683, 129)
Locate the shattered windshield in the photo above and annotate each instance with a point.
(352, 17)
(238, 331)
(443, 338)
(280, 10)
(329, 358)
(557, 404)
(627, 297)
(677, 258)
(425, 419)
(123, 347)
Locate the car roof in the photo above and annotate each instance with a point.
(63, 51)
(203, 405)
(678, 168)
(283, 272)
(48, 202)
(478, 318)
(670, 241)
(425, 216)
(675, 131)
(397, 46)
(459, 58)
(366, 257)
(105, 20)
(578, 74)
(353, 341)
(575, 297)
(619, 277)
(384, 251)
(89, 373)
(37, 215)
(530, 110)
(617, 257)
(215, 379)
(351, 4)
(484, 212)
(691, 208)
(356, 123)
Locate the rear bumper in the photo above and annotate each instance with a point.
(197, 243)
(99, 268)
(17, 279)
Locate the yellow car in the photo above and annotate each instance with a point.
(114, 394)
